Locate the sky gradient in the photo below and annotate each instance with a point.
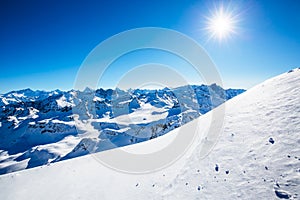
(43, 43)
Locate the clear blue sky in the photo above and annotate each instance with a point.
(43, 43)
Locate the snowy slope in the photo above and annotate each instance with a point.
(39, 127)
(256, 157)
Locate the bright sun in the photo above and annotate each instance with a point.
(221, 24)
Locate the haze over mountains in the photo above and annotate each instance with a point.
(257, 156)
(39, 127)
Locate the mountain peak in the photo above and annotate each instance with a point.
(257, 147)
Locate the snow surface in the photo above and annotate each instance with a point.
(256, 157)
(145, 114)
(60, 125)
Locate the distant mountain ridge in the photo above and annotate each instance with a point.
(39, 127)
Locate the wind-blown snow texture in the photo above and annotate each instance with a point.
(256, 157)
(38, 127)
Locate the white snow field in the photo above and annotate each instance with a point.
(39, 127)
(257, 156)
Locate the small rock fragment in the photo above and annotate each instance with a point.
(282, 194)
(217, 168)
(271, 140)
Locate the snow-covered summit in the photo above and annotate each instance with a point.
(40, 127)
(257, 156)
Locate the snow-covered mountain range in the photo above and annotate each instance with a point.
(39, 127)
(257, 156)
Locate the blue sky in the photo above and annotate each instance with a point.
(43, 43)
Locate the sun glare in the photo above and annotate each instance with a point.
(221, 24)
